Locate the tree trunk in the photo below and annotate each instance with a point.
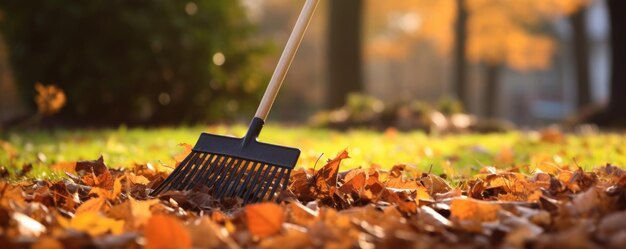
(617, 102)
(460, 62)
(11, 106)
(581, 53)
(492, 88)
(344, 51)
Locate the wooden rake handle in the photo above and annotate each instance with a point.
(286, 58)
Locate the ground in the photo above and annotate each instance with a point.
(462, 153)
(360, 188)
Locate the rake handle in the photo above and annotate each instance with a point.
(286, 58)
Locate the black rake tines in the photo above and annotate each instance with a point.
(227, 176)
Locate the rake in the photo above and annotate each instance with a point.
(244, 167)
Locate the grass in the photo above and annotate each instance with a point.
(451, 154)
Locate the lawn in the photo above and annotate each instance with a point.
(460, 154)
(529, 200)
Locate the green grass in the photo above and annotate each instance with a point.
(465, 153)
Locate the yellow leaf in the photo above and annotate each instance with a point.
(94, 224)
(264, 219)
(91, 206)
(164, 231)
(141, 210)
(422, 194)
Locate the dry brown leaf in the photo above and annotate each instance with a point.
(326, 177)
(96, 166)
(104, 180)
(355, 184)
(163, 231)
(434, 184)
(264, 219)
(207, 234)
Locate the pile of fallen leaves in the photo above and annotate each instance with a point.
(96, 207)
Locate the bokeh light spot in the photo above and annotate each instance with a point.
(219, 58)
(164, 99)
(191, 8)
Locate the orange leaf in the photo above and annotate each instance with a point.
(164, 231)
(117, 187)
(264, 219)
(474, 210)
(326, 177)
(91, 205)
(355, 184)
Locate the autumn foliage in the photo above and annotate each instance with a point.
(397, 208)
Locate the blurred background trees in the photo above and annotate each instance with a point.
(528, 61)
(137, 61)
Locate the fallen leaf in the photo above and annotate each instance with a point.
(302, 215)
(355, 184)
(471, 209)
(47, 243)
(208, 234)
(93, 223)
(135, 213)
(326, 177)
(91, 205)
(264, 219)
(27, 226)
(96, 166)
(163, 231)
(68, 167)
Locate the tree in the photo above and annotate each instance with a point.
(460, 60)
(141, 62)
(10, 103)
(617, 102)
(581, 60)
(344, 51)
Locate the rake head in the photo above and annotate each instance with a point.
(230, 167)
